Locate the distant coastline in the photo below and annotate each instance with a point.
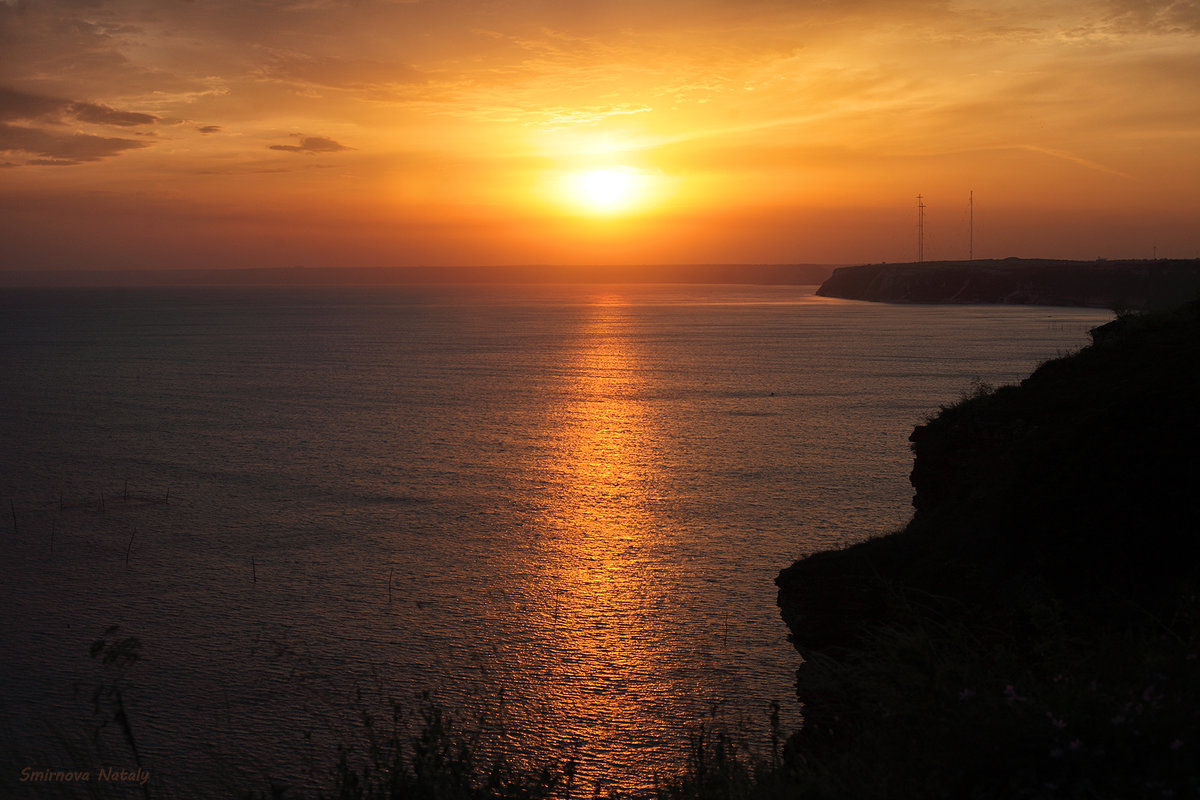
(757, 274)
(1132, 284)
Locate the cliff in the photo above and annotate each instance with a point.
(1104, 284)
(1033, 630)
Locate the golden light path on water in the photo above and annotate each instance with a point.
(611, 675)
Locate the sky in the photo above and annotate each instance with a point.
(268, 133)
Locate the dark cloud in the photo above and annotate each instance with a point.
(312, 144)
(20, 105)
(209, 128)
(44, 137)
(23, 105)
(104, 115)
(55, 148)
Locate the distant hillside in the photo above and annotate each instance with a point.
(1035, 629)
(1021, 281)
(760, 274)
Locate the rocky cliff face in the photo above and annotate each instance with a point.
(1054, 539)
(1130, 284)
(1080, 478)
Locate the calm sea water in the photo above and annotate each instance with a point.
(559, 510)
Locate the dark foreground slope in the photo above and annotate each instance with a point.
(1020, 281)
(1033, 631)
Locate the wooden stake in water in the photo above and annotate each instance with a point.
(253, 571)
(53, 525)
(129, 546)
(390, 571)
(125, 491)
(13, 508)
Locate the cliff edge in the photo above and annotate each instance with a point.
(1034, 630)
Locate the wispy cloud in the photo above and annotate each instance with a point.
(1074, 159)
(336, 72)
(553, 118)
(1156, 16)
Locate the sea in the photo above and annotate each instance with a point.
(552, 513)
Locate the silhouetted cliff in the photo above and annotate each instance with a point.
(1033, 630)
(1104, 284)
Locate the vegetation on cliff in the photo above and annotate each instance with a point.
(1034, 630)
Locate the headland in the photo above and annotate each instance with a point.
(1034, 630)
(1133, 284)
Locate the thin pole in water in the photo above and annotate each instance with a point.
(253, 571)
(390, 571)
(129, 546)
(12, 506)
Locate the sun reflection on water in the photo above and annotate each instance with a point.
(607, 667)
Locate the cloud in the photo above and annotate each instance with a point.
(91, 50)
(209, 128)
(18, 105)
(104, 115)
(1074, 159)
(42, 133)
(58, 148)
(589, 116)
(337, 73)
(312, 144)
(22, 105)
(1157, 16)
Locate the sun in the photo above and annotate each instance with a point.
(605, 191)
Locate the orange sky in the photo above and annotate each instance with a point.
(238, 133)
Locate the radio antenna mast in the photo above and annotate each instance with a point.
(920, 228)
(971, 227)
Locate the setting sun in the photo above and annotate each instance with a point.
(606, 191)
